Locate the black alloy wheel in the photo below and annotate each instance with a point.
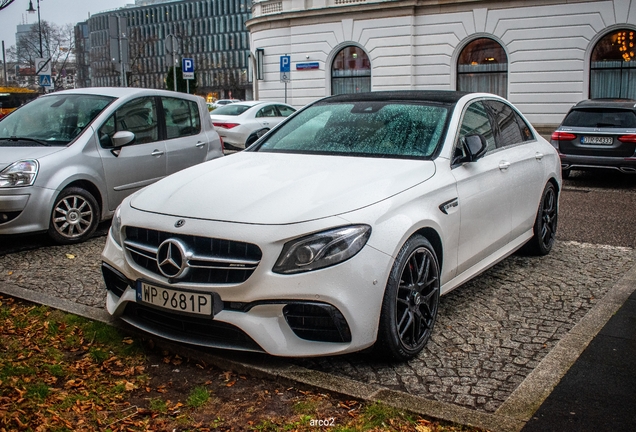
(545, 225)
(411, 300)
(74, 217)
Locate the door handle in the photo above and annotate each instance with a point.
(503, 165)
(157, 152)
(538, 156)
(199, 144)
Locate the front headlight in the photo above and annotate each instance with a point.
(21, 173)
(115, 226)
(322, 249)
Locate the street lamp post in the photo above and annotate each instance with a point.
(31, 10)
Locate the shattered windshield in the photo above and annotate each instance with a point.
(377, 129)
(52, 120)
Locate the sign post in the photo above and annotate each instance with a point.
(187, 67)
(285, 71)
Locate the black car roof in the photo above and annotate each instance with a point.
(440, 96)
(607, 103)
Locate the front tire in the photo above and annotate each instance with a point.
(411, 300)
(545, 224)
(74, 217)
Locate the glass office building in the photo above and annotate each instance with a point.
(212, 32)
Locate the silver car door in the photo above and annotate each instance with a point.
(138, 164)
(186, 141)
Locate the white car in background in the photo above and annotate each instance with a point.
(241, 124)
(222, 102)
(341, 229)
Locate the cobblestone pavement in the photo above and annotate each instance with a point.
(491, 332)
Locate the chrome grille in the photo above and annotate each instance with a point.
(209, 260)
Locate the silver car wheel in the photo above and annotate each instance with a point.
(74, 216)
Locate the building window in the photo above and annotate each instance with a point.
(350, 71)
(483, 67)
(613, 67)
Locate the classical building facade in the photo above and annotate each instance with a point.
(543, 55)
(212, 32)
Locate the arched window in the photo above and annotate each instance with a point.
(350, 71)
(483, 67)
(613, 67)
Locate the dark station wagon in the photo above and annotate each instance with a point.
(598, 133)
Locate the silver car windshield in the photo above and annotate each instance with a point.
(375, 129)
(51, 120)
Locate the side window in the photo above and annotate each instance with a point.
(285, 111)
(268, 111)
(138, 116)
(511, 127)
(182, 117)
(475, 121)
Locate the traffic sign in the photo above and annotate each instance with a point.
(45, 80)
(43, 66)
(285, 63)
(285, 69)
(187, 66)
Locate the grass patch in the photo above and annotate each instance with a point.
(198, 397)
(158, 405)
(305, 407)
(38, 391)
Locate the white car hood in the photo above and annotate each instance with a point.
(267, 188)
(8, 155)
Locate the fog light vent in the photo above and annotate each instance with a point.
(115, 281)
(317, 322)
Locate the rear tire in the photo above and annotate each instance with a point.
(545, 224)
(74, 217)
(411, 299)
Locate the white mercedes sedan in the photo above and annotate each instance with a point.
(337, 231)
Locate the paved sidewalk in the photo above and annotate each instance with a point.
(502, 343)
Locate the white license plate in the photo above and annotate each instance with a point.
(597, 140)
(181, 301)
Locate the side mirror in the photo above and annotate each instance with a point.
(123, 138)
(475, 147)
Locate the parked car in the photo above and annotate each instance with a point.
(68, 158)
(241, 124)
(341, 230)
(222, 102)
(598, 133)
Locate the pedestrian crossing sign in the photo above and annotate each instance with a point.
(45, 80)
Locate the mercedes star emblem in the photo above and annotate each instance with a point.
(172, 258)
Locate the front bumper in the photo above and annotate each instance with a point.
(329, 311)
(24, 210)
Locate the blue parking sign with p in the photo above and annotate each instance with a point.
(188, 65)
(285, 63)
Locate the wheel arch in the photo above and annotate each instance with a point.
(436, 241)
(90, 188)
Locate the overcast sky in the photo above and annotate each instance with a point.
(59, 12)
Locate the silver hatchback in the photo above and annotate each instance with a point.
(67, 159)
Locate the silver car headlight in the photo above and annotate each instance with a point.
(322, 249)
(20, 173)
(115, 226)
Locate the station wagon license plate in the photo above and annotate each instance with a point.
(597, 140)
(180, 301)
